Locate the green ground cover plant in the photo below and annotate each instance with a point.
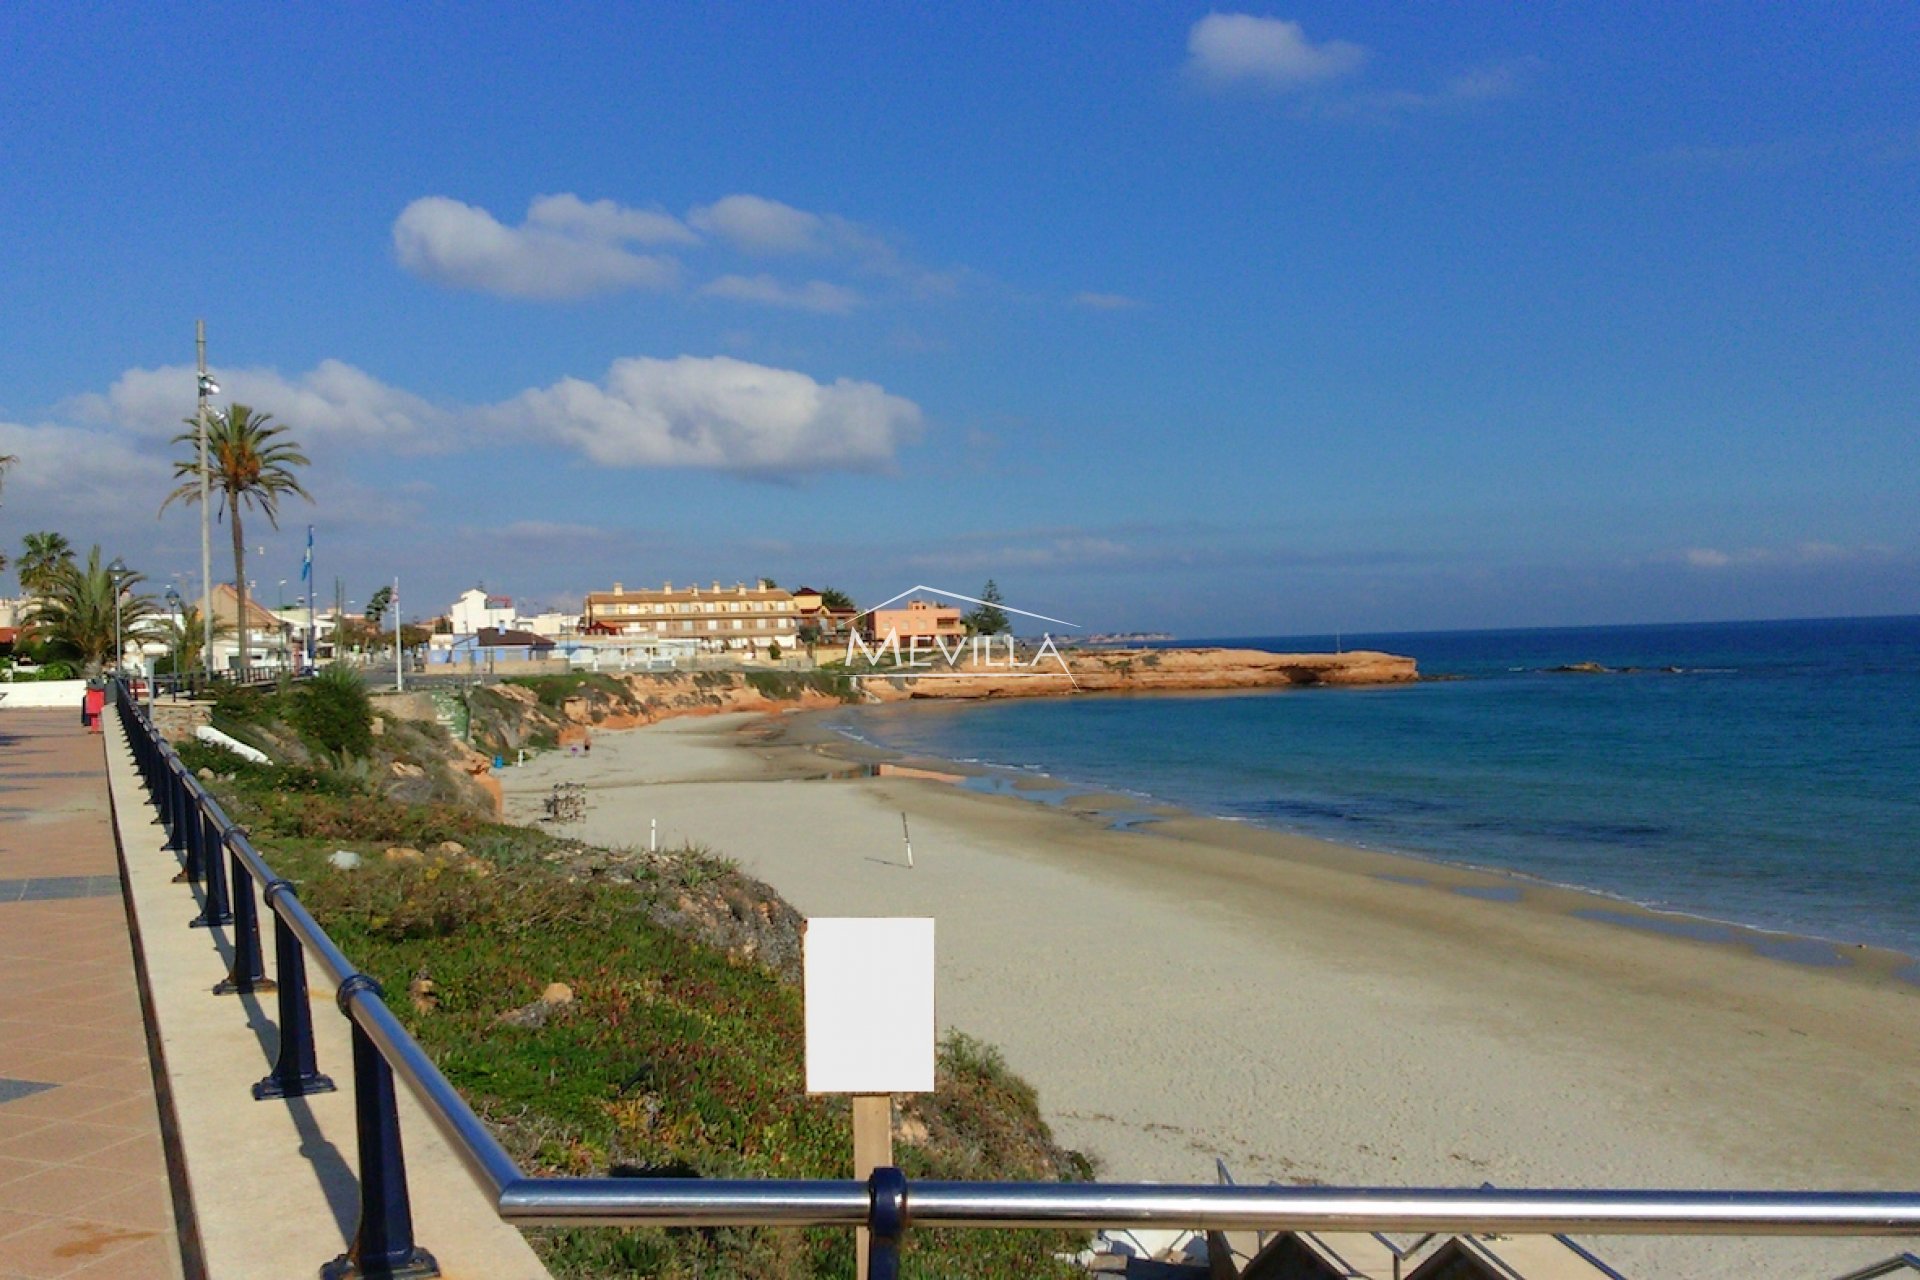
(673, 1057)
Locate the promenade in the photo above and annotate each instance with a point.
(84, 1188)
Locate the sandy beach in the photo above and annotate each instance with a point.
(1192, 989)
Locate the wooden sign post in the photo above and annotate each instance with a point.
(870, 1026)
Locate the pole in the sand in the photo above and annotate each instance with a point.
(907, 836)
(868, 992)
(653, 835)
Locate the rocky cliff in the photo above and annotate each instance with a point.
(549, 711)
(1141, 671)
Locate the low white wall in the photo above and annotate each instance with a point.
(41, 694)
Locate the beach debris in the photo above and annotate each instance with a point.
(907, 835)
(204, 774)
(567, 802)
(404, 853)
(424, 992)
(344, 860)
(450, 848)
(557, 996)
(404, 769)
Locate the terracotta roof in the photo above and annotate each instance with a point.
(225, 608)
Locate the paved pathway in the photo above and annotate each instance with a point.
(84, 1190)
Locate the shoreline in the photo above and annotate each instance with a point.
(1787, 943)
(1033, 786)
(1193, 988)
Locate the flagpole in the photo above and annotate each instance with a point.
(306, 571)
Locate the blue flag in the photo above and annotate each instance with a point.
(306, 566)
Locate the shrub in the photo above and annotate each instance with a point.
(334, 714)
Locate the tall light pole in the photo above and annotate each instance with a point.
(208, 387)
(179, 628)
(399, 661)
(114, 571)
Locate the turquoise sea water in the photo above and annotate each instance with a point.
(1759, 773)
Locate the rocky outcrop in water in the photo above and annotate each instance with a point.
(1136, 671)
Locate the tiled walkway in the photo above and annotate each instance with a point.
(84, 1190)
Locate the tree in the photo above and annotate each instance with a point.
(86, 610)
(248, 464)
(377, 607)
(186, 638)
(836, 599)
(40, 554)
(989, 619)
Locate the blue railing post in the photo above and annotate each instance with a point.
(383, 1244)
(189, 833)
(245, 973)
(215, 908)
(169, 803)
(886, 1223)
(295, 1070)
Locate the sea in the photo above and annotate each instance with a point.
(1764, 774)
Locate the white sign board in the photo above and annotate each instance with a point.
(869, 1002)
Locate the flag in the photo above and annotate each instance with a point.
(306, 566)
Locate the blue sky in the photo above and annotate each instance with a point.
(1215, 321)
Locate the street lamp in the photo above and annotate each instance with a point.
(116, 573)
(208, 387)
(179, 619)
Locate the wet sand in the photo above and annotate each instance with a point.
(1186, 988)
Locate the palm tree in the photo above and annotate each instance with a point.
(84, 612)
(41, 554)
(186, 637)
(249, 464)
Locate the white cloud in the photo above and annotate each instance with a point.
(64, 470)
(1240, 50)
(605, 220)
(714, 412)
(815, 295)
(1106, 301)
(572, 248)
(332, 401)
(717, 413)
(566, 249)
(756, 224)
(1465, 89)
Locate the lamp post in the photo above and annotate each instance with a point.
(179, 626)
(208, 387)
(119, 645)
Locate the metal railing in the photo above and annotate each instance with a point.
(886, 1204)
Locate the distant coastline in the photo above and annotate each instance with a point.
(1127, 670)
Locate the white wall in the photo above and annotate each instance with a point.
(40, 694)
